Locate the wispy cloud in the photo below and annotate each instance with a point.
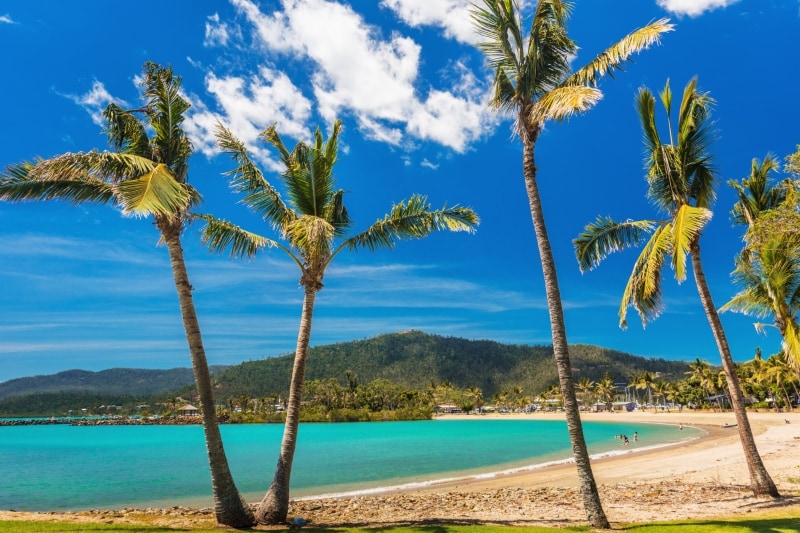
(95, 101)
(693, 8)
(6, 19)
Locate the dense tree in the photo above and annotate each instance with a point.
(312, 227)
(146, 175)
(533, 82)
(681, 184)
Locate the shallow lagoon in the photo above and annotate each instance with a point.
(60, 467)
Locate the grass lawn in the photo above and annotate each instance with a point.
(772, 523)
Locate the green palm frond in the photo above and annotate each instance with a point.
(686, 227)
(166, 108)
(17, 185)
(312, 235)
(754, 193)
(412, 220)
(643, 289)
(615, 56)
(791, 344)
(220, 235)
(156, 192)
(605, 236)
(247, 178)
(563, 102)
(125, 132)
(105, 166)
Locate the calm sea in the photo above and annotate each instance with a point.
(60, 467)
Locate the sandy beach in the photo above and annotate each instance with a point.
(702, 478)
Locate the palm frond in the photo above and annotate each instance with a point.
(220, 235)
(17, 185)
(686, 227)
(88, 166)
(615, 56)
(412, 220)
(313, 236)
(247, 178)
(643, 289)
(125, 132)
(791, 344)
(563, 102)
(605, 236)
(156, 193)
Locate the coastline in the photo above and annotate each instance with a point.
(701, 478)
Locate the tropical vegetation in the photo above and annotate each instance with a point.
(534, 83)
(681, 184)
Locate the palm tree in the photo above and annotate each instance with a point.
(586, 386)
(313, 225)
(533, 82)
(681, 183)
(146, 175)
(768, 269)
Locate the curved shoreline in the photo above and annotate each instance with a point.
(468, 479)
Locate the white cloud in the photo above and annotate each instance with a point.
(248, 106)
(95, 101)
(6, 19)
(693, 8)
(355, 70)
(451, 15)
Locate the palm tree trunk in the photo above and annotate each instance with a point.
(588, 487)
(230, 509)
(274, 507)
(760, 480)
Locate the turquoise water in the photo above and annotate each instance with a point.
(59, 467)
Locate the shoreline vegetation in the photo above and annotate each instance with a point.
(701, 478)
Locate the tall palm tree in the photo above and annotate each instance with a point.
(146, 175)
(768, 269)
(312, 227)
(534, 83)
(681, 182)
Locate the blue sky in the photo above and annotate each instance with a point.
(84, 287)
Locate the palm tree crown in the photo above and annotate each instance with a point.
(681, 184)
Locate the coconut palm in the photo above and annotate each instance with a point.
(146, 175)
(534, 83)
(768, 269)
(681, 182)
(312, 227)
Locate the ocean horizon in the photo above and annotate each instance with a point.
(63, 467)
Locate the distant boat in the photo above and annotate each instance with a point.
(726, 425)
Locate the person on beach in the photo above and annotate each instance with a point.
(635, 436)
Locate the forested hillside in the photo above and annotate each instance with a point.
(113, 382)
(415, 359)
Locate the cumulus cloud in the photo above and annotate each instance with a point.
(450, 15)
(693, 8)
(353, 70)
(246, 107)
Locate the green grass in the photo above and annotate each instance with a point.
(757, 524)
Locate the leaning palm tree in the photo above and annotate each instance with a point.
(312, 227)
(681, 182)
(534, 83)
(146, 175)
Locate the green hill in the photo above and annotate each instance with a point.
(415, 359)
(112, 382)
